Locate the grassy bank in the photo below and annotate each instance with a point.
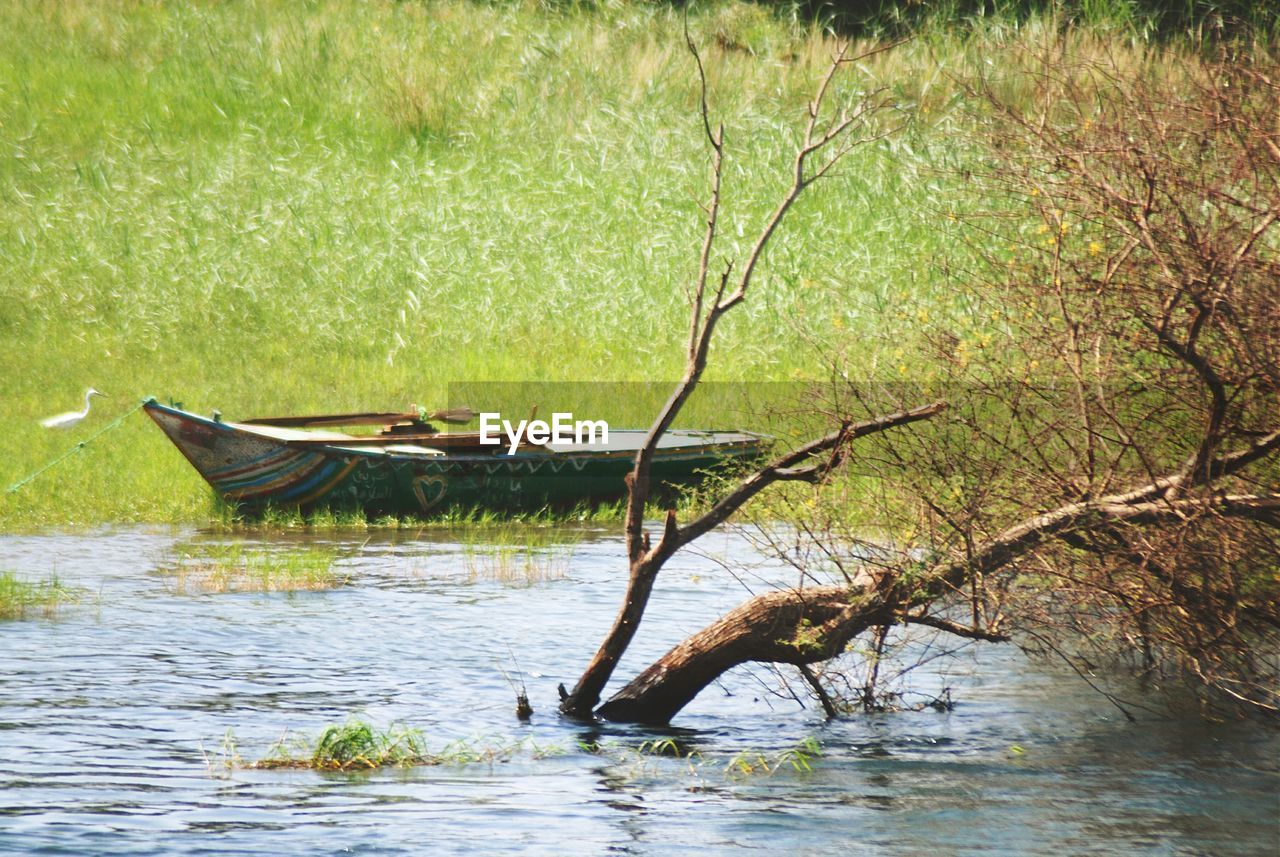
(267, 207)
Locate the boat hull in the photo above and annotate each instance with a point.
(255, 471)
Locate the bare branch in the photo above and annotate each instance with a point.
(954, 629)
(821, 692)
(785, 468)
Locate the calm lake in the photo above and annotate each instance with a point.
(113, 716)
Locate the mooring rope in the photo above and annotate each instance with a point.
(77, 448)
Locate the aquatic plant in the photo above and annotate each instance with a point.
(20, 598)
(359, 745)
(733, 765)
(227, 760)
(799, 759)
(228, 518)
(519, 554)
(235, 568)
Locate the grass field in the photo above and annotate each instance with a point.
(266, 207)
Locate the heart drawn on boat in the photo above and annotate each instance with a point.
(429, 490)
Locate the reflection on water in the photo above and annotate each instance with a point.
(112, 721)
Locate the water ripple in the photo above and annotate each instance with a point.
(113, 719)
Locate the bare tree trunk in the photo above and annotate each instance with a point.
(793, 627)
(582, 700)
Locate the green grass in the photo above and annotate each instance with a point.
(744, 763)
(229, 520)
(361, 746)
(234, 568)
(271, 207)
(518, 554)
(21, 598)
(357, 745)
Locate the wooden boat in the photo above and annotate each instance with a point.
(409, 468)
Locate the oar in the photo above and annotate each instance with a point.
(450, 415)
(447, 415)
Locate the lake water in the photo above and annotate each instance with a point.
(113, 715)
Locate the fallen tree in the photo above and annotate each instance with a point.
(1123, 448)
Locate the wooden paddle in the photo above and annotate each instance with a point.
(447, 415)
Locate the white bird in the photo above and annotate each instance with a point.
(71, 418)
